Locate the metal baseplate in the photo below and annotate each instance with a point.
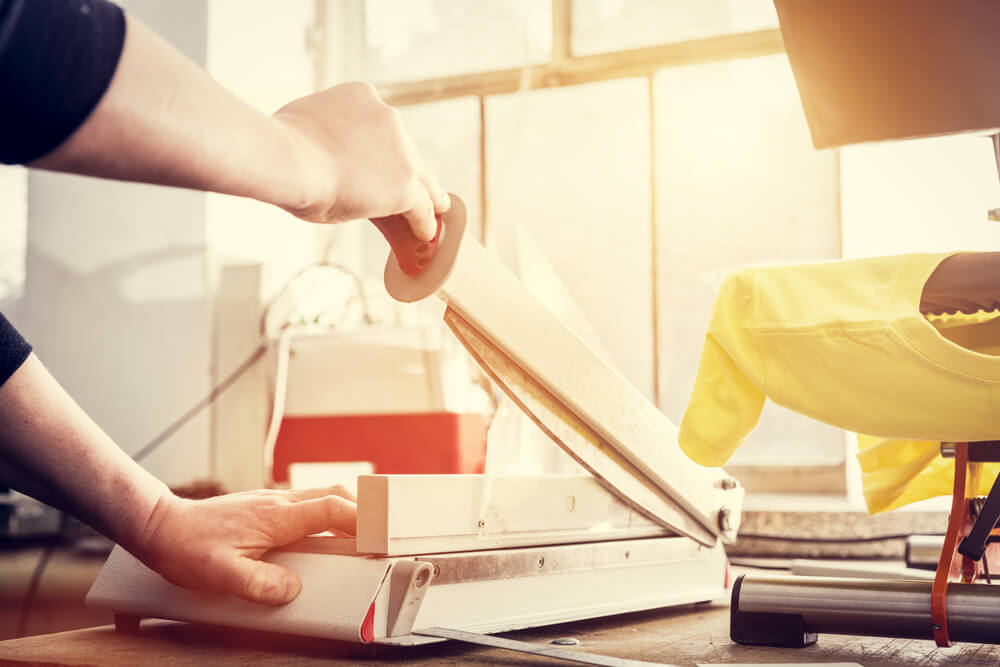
(367, 599)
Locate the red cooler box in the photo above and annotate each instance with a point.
(394, 396)
(429, 442)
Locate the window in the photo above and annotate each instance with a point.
(585, 202)
(737, 182)
(600, 26)
(648, 146)
(420, 39)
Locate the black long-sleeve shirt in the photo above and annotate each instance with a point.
(57, 58)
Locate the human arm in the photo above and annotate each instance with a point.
(60, 454)
(337, 155)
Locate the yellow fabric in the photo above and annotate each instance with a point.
(899, 472)
(844, 342)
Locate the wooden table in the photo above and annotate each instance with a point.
(684, 635)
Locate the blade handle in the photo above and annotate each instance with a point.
(412, 254)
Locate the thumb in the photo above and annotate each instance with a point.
(257, 581)
(421, 216)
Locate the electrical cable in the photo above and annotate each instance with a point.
(193, 412)
(32, 592)
(249, 362)
(281, 383)
(278, 405)
(284, 356)
(358, 287)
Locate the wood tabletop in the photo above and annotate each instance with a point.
(685, 636)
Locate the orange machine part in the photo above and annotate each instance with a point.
(429, 442)
(948, 565)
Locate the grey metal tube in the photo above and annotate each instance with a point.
(923, 551)
(874, 607)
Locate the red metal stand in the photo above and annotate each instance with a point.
(949, 565)
(953, 566)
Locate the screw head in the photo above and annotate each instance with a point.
(566, 641)
(729, 484)
(541, 561)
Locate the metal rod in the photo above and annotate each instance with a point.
(923, 551)
(871, 607)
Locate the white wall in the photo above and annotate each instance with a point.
(115, 298)
(13, 233)
(257, 49)
(118, 294)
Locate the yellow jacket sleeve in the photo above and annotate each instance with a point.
(728, 393)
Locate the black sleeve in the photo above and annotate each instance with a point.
(57, 58)
(13, 349)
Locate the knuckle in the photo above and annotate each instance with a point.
(426, 208)
(369, 95)
(215, 563)
(329, 506)
(390, 118)
(410, 177)
(362, 88)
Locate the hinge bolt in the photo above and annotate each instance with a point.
(725, 520)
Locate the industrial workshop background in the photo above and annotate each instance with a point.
(665, 139)
(697, 159)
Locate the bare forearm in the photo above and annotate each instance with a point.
(53, 447)
(50, 449)
(164, 120)
(337, 155)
